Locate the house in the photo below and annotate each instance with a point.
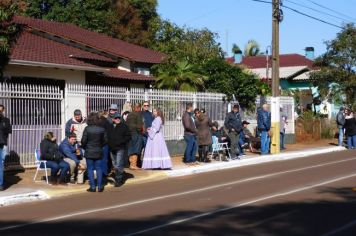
(294, 73)
(48, 52)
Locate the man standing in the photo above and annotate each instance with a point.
(340, 120)
(76, 125)
(5, 130)
(147, 119)
(233, 124)
(264, 126)
(283, 125)
(135, 123)
(190, 132)
(118, 137)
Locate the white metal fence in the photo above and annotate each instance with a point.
(36, 109)
(172, 103)
(33, 110)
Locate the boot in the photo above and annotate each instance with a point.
(133, 162)
(200, 154)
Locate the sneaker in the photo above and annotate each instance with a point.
(2, 188)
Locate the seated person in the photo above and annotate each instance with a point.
(74, 157)
(54, 159)
(222, 137)
(247, 139)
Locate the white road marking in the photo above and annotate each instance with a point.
(237, 205)
(270, 219)
(342, 228)
(74, 214)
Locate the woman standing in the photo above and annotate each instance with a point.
(54, 159)
(203, 124)
(93, 140)
(156, 153)
(350, 129)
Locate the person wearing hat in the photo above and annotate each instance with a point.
(113, 109)
(118, 138)
(340, 121)
(247, 137)
(76, 125)
(234, 126)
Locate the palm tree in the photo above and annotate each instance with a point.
(252, 48)
(181, 76)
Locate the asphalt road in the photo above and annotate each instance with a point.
(306, 196)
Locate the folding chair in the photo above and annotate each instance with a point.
(41, 165)
(217, 147)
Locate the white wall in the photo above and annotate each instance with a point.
(69, 76)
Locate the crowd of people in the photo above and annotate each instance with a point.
(346, 123)
(200, 132)
(105, 143)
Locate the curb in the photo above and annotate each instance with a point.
(24, 197)
(158, 175)
(251, 161)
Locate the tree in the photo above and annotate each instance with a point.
(252, 48)
(223, 77)
(8, 30)
(95, 15)
(337, 68)
(180, 76)
(193, 45)
(134, 21)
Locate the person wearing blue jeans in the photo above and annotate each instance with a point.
(350, 129)
(118, 137)
(93, 140)
(49, 152)
(264, 125)
(5, 130)
(191, 148)
(340, 120)
(2, 160)
(190, 138)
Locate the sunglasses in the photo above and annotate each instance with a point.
(146, 105)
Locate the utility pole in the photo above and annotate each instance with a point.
(275, 116)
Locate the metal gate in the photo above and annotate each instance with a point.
(33, 110)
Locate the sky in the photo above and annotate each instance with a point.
(237, 21)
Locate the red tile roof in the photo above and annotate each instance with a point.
(34, 48)
(95, 40)
(286, 60)
(121, 74)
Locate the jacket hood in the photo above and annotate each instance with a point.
(76, 122)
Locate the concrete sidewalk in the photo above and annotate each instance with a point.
(22, 188)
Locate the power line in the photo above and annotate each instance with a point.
(312, 17)
(332, 10)
(302, 13)
(316, 10)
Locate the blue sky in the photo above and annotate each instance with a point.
(246, 19)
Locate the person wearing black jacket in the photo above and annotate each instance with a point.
(54, 159)
(93, 140)
(118, 138)
(233, 124)
(5, 130)
(350, 129)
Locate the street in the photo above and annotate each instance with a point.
(304, 196)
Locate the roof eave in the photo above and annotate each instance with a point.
(55, 65)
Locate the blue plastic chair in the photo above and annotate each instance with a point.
(40, 164)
